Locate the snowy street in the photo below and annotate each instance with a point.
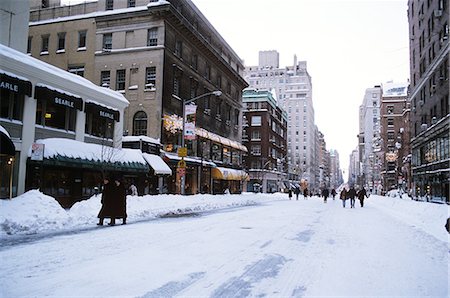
(278, 248)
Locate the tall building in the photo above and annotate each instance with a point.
(369, 133)
(354, 167)
(394, 104)
(336, 178)
(429, 93)
(264, 134)
(158, 54)
(293, 89)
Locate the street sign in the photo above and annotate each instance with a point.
(182, 164)
(37, 151)
(182, 152)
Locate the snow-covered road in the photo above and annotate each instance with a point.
(277, 249)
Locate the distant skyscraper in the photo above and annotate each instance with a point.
(293, 88)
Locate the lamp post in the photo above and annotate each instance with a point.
(184, 103)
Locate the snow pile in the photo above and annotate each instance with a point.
(428, 217)
(34, 212)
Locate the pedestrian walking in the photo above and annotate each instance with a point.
(290, 194)
(343, 196)
(305, 193)
(351, 194)
(107, 209)
(325, 194)
(119, 202)
(297, 192)
(333, 193)
(361, 194)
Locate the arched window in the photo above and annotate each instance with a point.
(140, 124)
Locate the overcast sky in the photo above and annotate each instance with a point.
(349, 46)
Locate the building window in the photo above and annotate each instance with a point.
(82, 39)
(61, 41)
(109, 5)
(30, 39)
(390, 109)
(256, 149)
(179, 48)
(152, 37)
(390, 122)
(216, 152)
(140, 124)
(256, 121)
(176, 85)
(194, 88)
(120, 79)
(105, 78)
(11, 105)
(99, 126)
(236, 117)
(107, 41)
(150, 77)
(44, 45)
(219, 82)
(194, 61)
(256, 135)
(50, 114)
(78, 70)
(131, 3)
(207, 71)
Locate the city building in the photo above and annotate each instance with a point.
(158, 54)
(429, 94)
(370, 139)
(293, 89)
(336, 178)
(354, 170)
(264, 134)
(394, 103)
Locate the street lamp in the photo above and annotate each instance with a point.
(184, 103)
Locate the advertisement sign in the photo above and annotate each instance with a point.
(189, 122)
(37, 152)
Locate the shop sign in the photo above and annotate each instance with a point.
(37, 152)
(182, 151)
(181, 172)
(181, 164)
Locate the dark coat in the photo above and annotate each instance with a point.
(297, 191)
(325, 193)
(362, 193)
(333, 192)
(290, 193)
(351, 194)
(343, 195)
(120, 201)
(107, 210)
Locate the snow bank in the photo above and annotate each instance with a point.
(34, 212)
(428, 217)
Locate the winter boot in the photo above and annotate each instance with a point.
(113, 222)
(100, 221)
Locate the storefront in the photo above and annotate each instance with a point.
(227, 178)
(7, 153)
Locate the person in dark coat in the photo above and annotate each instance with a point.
(351, 194)
(120, 202)
(107, 210)
(333, 193)
(343, 196)
(297, 192)
(325, 194)
(361, 194)
(290, 193)
(305, 193)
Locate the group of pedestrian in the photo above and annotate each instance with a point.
(114, 203)
(297, 191)
(351, 195)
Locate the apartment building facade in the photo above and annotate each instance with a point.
(265, 130)
(429, 93)
(157, 54)
(293, 88)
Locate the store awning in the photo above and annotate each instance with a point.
(221, 173)
(6, 145)
(201, 132)
(189, 160)
(14, 83)
(157, 164)
(59, 97)
(101, 110)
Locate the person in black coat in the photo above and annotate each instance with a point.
(120, 202)
(305, 193)
(107, 210)
(333, 193)
(325, 194)
(351, 194)
(297, 192)
(361, 194)
(290, 193)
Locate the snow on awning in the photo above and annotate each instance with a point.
(58, 96)
(14, 83)
(221, 173)
(191, 160)
(157, 164)
(101, 110)
(201, 132)
(87, 154)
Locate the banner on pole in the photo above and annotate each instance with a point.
(189, 122)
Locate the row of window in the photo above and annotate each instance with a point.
(61, 42)
(433, 151)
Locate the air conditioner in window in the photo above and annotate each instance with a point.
(207, 111)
